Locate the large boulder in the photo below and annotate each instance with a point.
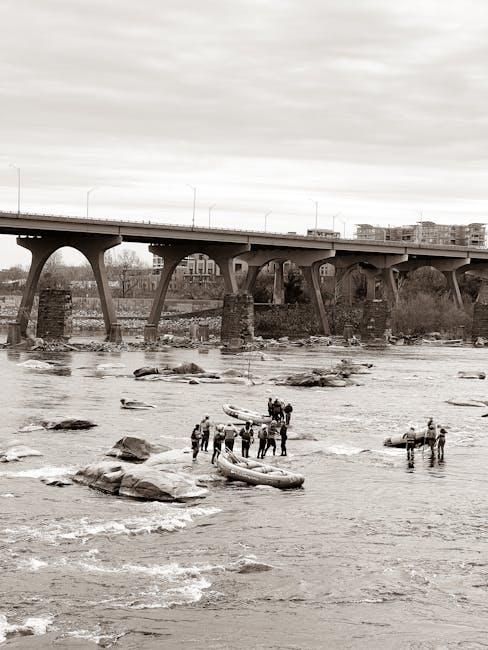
(68, 424)
(134, 449)
(105, 476)
(159, 485)
(146, 370)
(188, 368)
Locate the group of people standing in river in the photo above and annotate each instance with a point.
(431, 438)
(266, 434)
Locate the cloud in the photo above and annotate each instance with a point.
(375, 108)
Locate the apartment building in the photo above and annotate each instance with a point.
(427, 232)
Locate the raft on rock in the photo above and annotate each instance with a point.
(245, 415)
(254, 472)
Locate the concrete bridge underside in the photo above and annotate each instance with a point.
(380, 263)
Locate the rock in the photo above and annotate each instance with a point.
(471, 374)
(105, 476)
(135, 404)
(110, 366)
(193, 381)
(133, 449)
(17, 452)
(249, 565)
(68, 424)
(154, 484)
(56, 481)
(36, 364)
(146, 370)
(232, 372)
(187, 368)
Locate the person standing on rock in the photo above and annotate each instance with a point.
(270, 406)
(205, 425)
(277, 410)
(271, 442)
(230, 434)
(195, 441)
(441, 442)
(217, 442)
(247, 435)
(288, 411)
(284, 438)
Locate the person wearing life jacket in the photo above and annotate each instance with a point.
(410, 439)
(262, 437)
(277, 410)
(288, 411)
(230, 434)
(205, 429)
(195, 441)
(217, 441)
(270, 406)
(441, 442)
(431, 435)
(272, 433)
(247, 435)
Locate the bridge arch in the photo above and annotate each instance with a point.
(41, 248)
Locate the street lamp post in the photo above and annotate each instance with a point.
(210, 213)
(18, 187)
(194, 203)
(333, 220)
(316, 203)
(266, 219)
(88, 201)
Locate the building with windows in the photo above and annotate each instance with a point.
(427, 232)
(195, 269)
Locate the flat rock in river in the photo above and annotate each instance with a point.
(73, 424)
(153, 484)
(16, 452)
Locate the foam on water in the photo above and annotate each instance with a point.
(40, 472)
(34, 625)
(171, 519)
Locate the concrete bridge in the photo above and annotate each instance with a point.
(378, 261)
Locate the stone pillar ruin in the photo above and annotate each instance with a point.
(375, 321)
(54, 315)
(237, 320)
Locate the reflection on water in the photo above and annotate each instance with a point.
(369, 545)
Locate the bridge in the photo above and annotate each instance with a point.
(42, 235)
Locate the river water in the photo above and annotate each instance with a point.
(370, 554)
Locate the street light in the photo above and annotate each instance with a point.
(88, 200)
(266, 219)
(344, 228)
(211, 207)
(316, 203)
(194, 203)
(18, 186)
(333, 220)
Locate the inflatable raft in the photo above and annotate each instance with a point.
(245, 415)
(135, 404)
(253, 472)
(400, 441)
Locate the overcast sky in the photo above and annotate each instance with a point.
(375, 109)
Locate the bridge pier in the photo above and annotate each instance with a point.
(93, 247)
(279, 284)
(172, 254)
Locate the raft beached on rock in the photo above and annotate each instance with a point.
(400, 441)
(255, 473)
(245, 415)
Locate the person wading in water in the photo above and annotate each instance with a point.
(195, 441)
(217, 442)
(411, 439)
(284, 438)
(441, 442)
(431, 435)
(262, 437)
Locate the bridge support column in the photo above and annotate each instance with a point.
(312, 276)
(453, 286)
(41, 248)
(252, 274)
(390, 285)
(279, 284)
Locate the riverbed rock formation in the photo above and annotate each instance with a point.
(134, 449)
(17, 452)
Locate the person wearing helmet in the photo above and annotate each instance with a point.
(205, 429)
(272, 433)
(230, 434)
(195, 441)
(217, 441)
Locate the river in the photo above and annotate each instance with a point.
(370, 553)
